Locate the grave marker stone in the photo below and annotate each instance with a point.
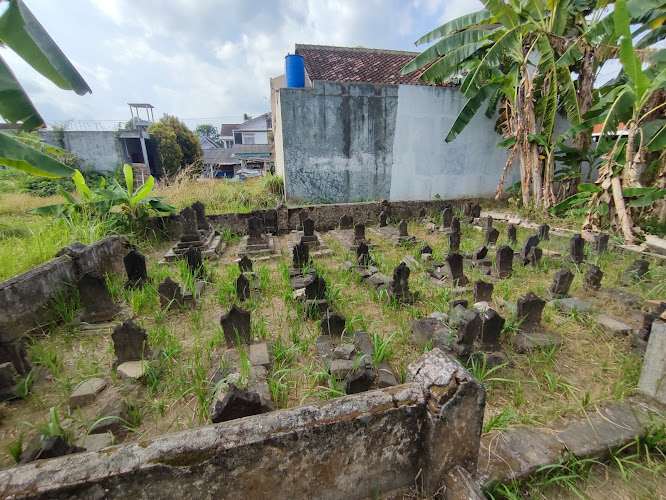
(600, 243)
(577, 249)
(333, 324)
(593, 277)
(491, 329)
(399, 284)
(544, 232)
(483, 291)
(491, 236)
(534, 256)
(504, 260)
(635, 272)
(359, 232)
(242, 287)
(363, 255)
(469, 328)
(301, 255)
(96, 299)
(245, 264)
(402, 228)
(382, 219)
(130, 342)
(480, 253)
(455, 265)
(422, 213)
(236, 326)
(194, 261)
(135, 266)
(454, 242)
(455, 225)
(189, 228)
(529, 309)
(425, 249)
(346, 222)
(271, 221)
(200, 211)
(447, 215)
(302, 215)
(562, 280)
(170, 293)
(530, 242)
(255, 231)
(315, 287)
(511, 234)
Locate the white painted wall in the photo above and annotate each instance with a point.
(424, 165)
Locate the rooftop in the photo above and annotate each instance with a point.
(358, 64)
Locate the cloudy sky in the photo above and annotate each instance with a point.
(205, 61)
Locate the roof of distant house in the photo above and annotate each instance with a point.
(621, 128)
(248, 149)
(255, 124)
(227, 129)
(358, 64)
(219, 157)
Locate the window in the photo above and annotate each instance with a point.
(238, 138)
(248, 138)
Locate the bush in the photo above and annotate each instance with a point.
(42, 186)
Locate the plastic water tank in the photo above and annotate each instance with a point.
(295, 71)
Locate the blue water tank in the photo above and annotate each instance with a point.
(295, 71)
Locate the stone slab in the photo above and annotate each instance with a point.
(133, 369)
(570, 304)
(653, 373)
(95, 442)
(346, 238)
(86, 392)
(259, 355)
(613, 325)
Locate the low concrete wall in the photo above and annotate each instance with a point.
(353, 447)
(99, 150)
(24, 299)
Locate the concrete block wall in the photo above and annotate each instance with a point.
(98, 149)
(347, 142)
(358, 446)
(25, 299)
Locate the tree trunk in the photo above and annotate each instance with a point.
(584, 94)
(624, 216)
(631, 172)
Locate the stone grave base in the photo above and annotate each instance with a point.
(370, 274)
(265, 251)
(318, 248)
(391, 234)
(211, 247)
(527, 341)
(346, 237)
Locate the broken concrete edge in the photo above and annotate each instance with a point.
(520, 452)
(384, 430)
(25, 297)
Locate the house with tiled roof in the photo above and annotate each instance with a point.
(358, 130)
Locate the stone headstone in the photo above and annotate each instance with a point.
(422, 213)
(271, 221)
(200, 212)
(528, 311)
(487, 222)
(600, 243)
(562, 280)
(308, 227)
(635, 272)
(194, 261)
(96, 298)
(653, 372)
(346, 222)
(170, 293)
(135, 266)
(511, 234)
(504, 260)
(593, 277)
(455, 265)
(130, 342)
(382, 219)
(255, 231)
(242, 287)
(577, 249)
(454, 242)
(534, 256)
(469, 328)
(447, 215)
(425, 249)
(7, 384)
(189, 227)
(13, 351)
(301, 255)
(399, 284)
(530, 243)
(359, 232)
(315, 287)
(480, 253)
(483, 291)
(245, 264)
(491, 329)
(237, 403)
(402, 228)
(236, 326)
(491, 235)
(333, 324)
(363, 255)
(455, 225)
(473, 210)
(302, 215)
(544, 232)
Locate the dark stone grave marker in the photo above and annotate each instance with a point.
(236, 326)
(359, 232)
(469, 327)
(425, 249)
(593, 277)
(189, 228)
(491, 329)
(271, 221)
(200, 211)
(130, 342)
(135, 266)
(534, 256)
(511, 234)
(402, 228)
(455, 225)
(245, 264)
(333, 324)
(530, 243)
(194, 261)
(346, 222)
(600, 243)
(422, 213)
(544, 232)
(399, 284)
(480, 253)
(447, 215)
(483, 291)
(170, 293)
(562, 280)
(382, 219)
(454, 242)
(455, 264)
(96, 299)
(242, 287)
(491, 235)
(255, 231)
(301, 255)
(504, 261)
(635, 272)
(528, 310)
(577, 249)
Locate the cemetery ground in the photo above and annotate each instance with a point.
(592, 367)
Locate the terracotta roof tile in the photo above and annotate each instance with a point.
(358, 64)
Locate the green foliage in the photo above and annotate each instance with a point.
(15, 448)
(207, 130)
(176, 144)
(135, 205)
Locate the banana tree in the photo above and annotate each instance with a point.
(20, 31)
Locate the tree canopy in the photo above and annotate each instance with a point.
(176, 144)
(209, 131)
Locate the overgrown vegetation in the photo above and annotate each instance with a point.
(177, 146)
